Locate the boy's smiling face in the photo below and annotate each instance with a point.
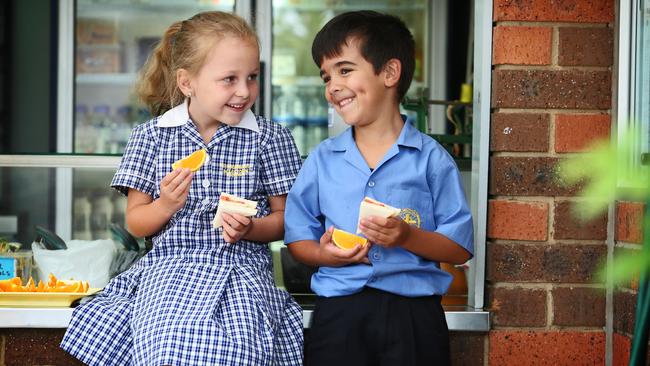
(357, 93)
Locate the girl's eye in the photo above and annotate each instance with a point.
(229, 79)
(326, 79)
(345, 71)
(252, 77)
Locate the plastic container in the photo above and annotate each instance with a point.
(16, 264)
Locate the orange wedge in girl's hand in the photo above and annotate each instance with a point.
(346, 240)
(192, 161)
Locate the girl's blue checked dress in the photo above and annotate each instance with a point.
(195, 299)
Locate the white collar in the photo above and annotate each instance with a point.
(179, 115)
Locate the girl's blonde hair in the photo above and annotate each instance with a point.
(185, 45)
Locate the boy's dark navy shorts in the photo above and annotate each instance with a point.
(375, 327)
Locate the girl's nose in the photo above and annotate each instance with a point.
(243, 91)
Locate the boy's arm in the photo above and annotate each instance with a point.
(394, 232)
(325, 253)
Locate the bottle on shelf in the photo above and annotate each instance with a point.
(101, 216)
(83, 138)
(119, 209)
(81, 218)
(100, 122)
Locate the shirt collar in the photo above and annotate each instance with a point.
(180, 115)
(409, 136)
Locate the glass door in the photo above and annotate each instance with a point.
(297, 91)
(110, 41)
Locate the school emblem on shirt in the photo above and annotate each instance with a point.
(410, 216)
(235, 170)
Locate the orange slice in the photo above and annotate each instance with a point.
(192, 161)
(346, 240)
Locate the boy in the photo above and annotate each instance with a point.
(378, 304)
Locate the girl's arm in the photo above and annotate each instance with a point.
(264, 229)
(144, 216)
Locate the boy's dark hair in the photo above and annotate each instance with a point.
(381, 37)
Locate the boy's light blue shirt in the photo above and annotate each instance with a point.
(416, 175)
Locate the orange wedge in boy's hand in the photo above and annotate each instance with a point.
(194, 161)
(346, 240)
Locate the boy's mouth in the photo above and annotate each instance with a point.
(345, 102)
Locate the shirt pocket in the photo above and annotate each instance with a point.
(416, 207)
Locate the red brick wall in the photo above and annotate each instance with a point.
(551, 95)
(628, 238)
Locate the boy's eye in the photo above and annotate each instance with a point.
(229, 79)
(326, 79)
(252, 77)
(345, 71)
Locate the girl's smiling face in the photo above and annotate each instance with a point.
(226, 86)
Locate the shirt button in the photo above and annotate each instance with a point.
(205, 201)
(371, 184)
(376, 256)
(205, 183)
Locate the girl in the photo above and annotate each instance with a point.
(201, 296)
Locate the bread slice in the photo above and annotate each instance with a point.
(232, 204)
(371, 207)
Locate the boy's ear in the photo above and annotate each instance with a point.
(183, 81)
(392, 72)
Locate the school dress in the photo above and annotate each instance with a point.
(195, 299)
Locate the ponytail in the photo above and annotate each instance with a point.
(185, 45)
(156, 85)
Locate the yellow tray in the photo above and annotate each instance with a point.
(41, 299)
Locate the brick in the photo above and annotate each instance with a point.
(564, 89)
(629, 218)
(525, 132)
(624, 311)
(517, 307)
(509, 347)
(621, 350)
(543, 263)
(633, 282)
(577, 132)
(567, 223)
(517, 220)
(586, 47)
(578, 306)
(527, 176)
(467, 348)
(597, 11)
(35, 347)
(522, 45)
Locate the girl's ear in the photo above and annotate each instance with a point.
(183, 81)
(392, 72)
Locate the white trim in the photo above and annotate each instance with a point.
(65, 117)
(61, 161)
(480, 146)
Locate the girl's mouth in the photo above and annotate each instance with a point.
(236, 107)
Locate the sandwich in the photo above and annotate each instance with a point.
(232, 204)
(370, 207)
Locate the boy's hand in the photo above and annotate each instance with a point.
(235, 226)
(331, 255)
(174, 188)
(387, 232)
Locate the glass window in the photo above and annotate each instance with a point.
(634, 76)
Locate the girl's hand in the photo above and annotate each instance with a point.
(332, 255)
(235, 227)
(174, 188)
(388, 233)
